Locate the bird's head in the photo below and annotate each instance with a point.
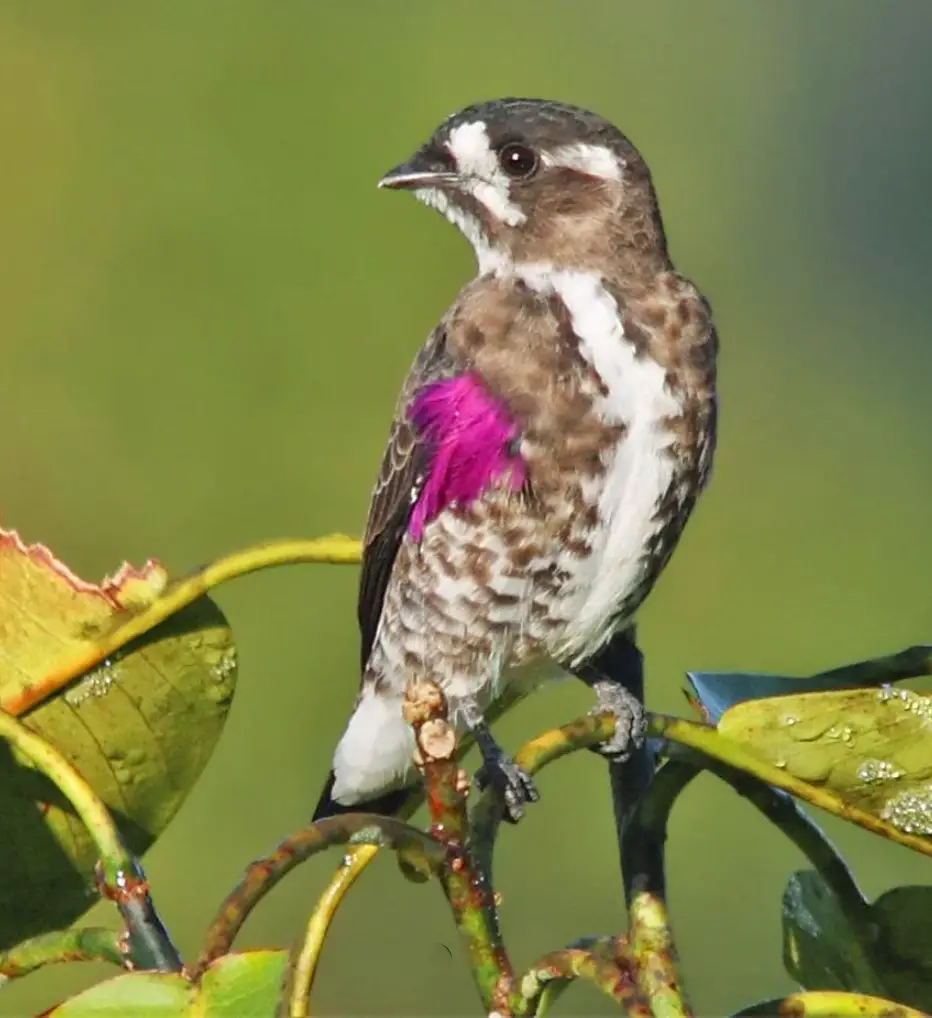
(531, 181)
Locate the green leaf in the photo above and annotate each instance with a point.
(904, 944)
(234, 986)
(871, 747)
(886, 951)
(823, 948)
(140, 727)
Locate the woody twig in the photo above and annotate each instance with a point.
(464, 882)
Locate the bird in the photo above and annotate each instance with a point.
(548, 445)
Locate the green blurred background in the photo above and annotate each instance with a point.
(207, 308)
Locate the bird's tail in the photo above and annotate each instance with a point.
(388, 805)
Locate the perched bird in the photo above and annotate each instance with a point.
(548, 445)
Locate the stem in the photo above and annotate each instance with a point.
(487, 814)
(91, 944)
(559, 968)
(467, 886)
(649, 935)
(645, 835)
(347, 873)
(419, 850)
(89, 808)
(120, 877)
(148, 943)
(335, 548)
(782, 811)
(709, 742)
(654, 956)
(621, 662)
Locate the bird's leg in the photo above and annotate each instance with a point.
(609, 674)
(498, 770)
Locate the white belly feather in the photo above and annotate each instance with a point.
(640, 473)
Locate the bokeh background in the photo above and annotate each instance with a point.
(207, 308)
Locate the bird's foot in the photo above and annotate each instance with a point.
(498, 771)
(630, 721)
(511, 782)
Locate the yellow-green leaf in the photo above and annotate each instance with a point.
(234, 986)
(872, 747)
(139, 727)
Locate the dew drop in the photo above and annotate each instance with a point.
(910, 811)
(875, 772)
(225, 665)
(94, 685)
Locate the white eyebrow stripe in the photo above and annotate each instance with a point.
(472, 150)
(477, 163)
(593, 160)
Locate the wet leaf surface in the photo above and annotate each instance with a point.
(139, 727)
(871, 747)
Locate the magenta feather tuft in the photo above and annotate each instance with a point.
(470, 437)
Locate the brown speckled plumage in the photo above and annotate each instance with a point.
(505, 581)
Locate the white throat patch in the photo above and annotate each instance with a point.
(490, 259)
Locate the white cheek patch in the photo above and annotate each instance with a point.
(475, 160)
(593, 160)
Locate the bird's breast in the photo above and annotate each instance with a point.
(612, 484)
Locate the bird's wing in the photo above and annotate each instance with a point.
(402, 472)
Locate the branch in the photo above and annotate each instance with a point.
(119, 875)
(148, 943)
(421, 851)
(645, 835)
(642, 850)
(558, 969)
(654, 956)
(90, 944)
(318, 926)
(706, 740)
(621, 662)
(466, 884)
(333, 549)
(782, 811)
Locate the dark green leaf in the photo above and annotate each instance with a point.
(885, 952)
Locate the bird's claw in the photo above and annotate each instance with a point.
(630, 720)
(512, 783)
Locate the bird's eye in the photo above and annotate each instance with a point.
(517, 161)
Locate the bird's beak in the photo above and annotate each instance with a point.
(426, 168)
